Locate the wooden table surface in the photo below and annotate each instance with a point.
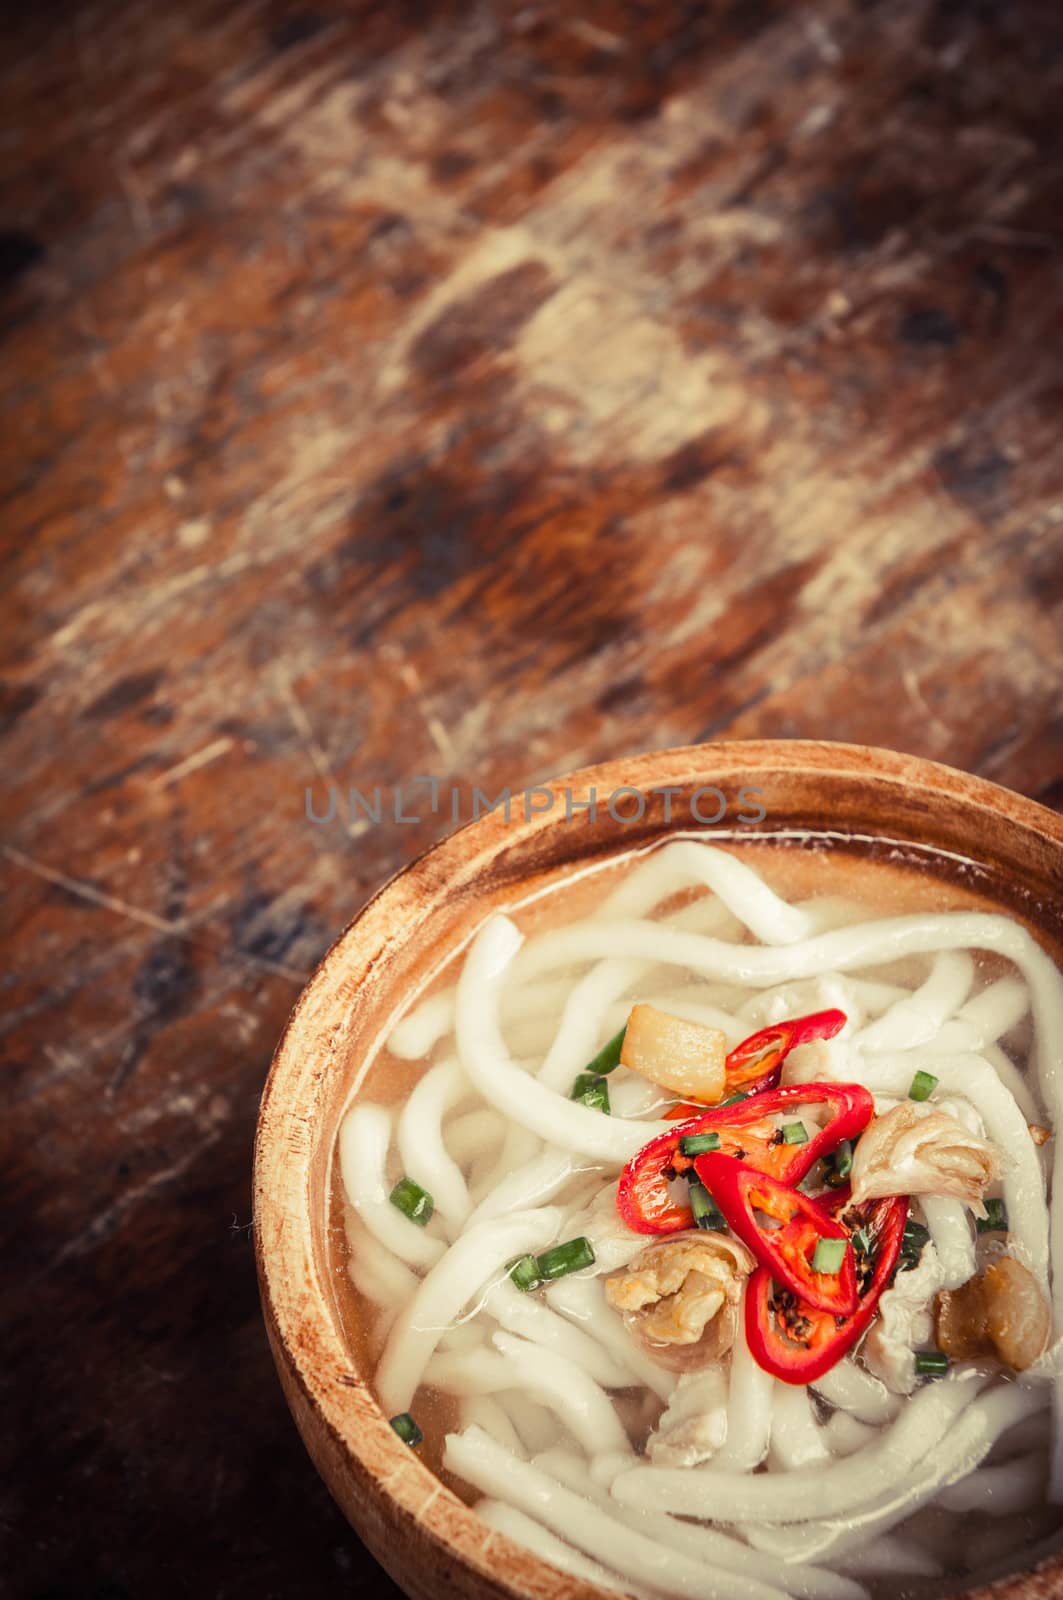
(475, 390)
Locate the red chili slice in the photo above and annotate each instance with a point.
(754, 1065)
(746, 1132)
(765, 1051)
(749, 1198)
(797, 1342)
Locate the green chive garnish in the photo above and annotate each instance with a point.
(923, 1086)
(915, 1237)
(861, 1241)
(572, 1256)
(413, 1201)
(931, 1363)
(794, 1133)
(733, 1099)
(839, 1165)
(995, 1219)
(699, 1144)
(591, 1090)
(524, 1271)
(707, 1213)
(608, 1056)
(407, 1429)
(828, 1255)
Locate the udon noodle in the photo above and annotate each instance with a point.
(668, 1330)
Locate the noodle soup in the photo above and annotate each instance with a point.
(694, 1224)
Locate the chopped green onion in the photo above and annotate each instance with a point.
(407, 1429)
(591, 1090)
(794, 1133)
(838, 1165)
(608, 1057)
(923, 1086)
(915, 1237)
(733, 1099)
(828, 1255)
(707, 1213)
(861, 1240)
(699, 1144)
(572, 1256)
(524, 1270)
(413, 1201)
(931, 1363)
(995, 1219)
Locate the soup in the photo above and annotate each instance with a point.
(697, 1226)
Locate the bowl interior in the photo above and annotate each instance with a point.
(1007, 853)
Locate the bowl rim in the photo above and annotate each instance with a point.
(334, 1406)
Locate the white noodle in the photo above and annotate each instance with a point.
(749, 1411)
(948, 1460)
(844, 1434)
(1013, 1081)
(468, 1373)
(479, 1255)
(609, 1538)
(851, 1389)
(633, 1096)
(365, 1137)
(708, 1545)
(953, 1238)
(797, 1440)
(519, 1148)
(583, 1300)
(532, 1185)
(918, 1017)
(794, 1497)
(471, 1136)
(485, 1059)
(421, 1029)
(581, 1030)
(420, 1139)
(483, 1411)
(465, 1337)
(736, 885)
(374, 1271)
(536, 1426)
(996, 1009)
(567, 1388)
(524, 1530)
(547, 1378)
(532, 1319)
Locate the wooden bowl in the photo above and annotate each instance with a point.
(424, 1536)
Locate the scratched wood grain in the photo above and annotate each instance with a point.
(467, 391)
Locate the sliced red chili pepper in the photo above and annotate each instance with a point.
(746, 1132)
(763, 1053)
(755, 1064)
(795, 1341)
(784, 1229)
